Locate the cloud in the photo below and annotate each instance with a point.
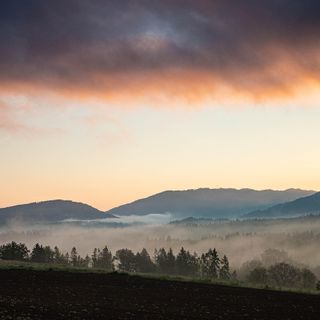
(17, 117)
(8, 123)
(137, 49)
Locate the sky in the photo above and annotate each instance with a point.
(105, 102)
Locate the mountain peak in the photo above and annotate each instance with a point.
(51, 211)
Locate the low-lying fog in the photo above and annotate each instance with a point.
(239, 240)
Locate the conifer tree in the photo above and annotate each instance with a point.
(144, 262)
(210, 264)
(74, 257)
(104, 259)
(94, 258)
(225, 269)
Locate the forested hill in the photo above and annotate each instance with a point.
(206, 202)
(302, 206)
(50, 211)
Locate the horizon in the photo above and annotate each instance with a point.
(151, 195)
(159, 159)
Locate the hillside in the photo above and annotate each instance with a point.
(50, 211)
(301, 206)
(77, 295)
(213, 203)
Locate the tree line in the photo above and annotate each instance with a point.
(207, 265)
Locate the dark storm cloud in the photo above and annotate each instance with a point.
(80, 42)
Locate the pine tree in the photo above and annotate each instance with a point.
(171, 262)
(87, 261)
(94, 258)
(105, 259)
(57, 256)
(161, 260)
(225, 269)
(67, 258)
(165, 262)
(182, 262)
(144, 262)
(37, 253)
(187, 264)
(210, 264)
(42, 254)
(74, 257)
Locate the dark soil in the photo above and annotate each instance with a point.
(66, 295)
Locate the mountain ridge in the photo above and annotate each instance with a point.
(50, 211)
(206, 202)
(198, 203)
(301, 206)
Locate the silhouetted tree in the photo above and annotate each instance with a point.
(308, 279)
(181, 262)
(74, 257)
(210, 264)
(171, 262)
(224, 273)
(67, 258)
(58, 257)
(83, 262)
(165, 261)
(14, 251)
(127, 261)
(87, 261)
(104, 259)
(42, 254)
(284, 275)
(187, 264)
(144, 262)
(94, 258)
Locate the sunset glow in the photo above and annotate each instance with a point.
(105, 103)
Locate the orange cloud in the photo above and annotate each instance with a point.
(281, 81)
(161, 53)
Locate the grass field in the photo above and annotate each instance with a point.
(25, 265)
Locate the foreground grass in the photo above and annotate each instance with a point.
(26, 265)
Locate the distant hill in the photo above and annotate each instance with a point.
(299, 207)
(208, 203)
(50, 211)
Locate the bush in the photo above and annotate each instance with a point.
(248, 267)
(258, 275)
(308, 279)
(284, 275)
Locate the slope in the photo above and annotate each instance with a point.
(50, 211)
(208, 202)
(301, 206)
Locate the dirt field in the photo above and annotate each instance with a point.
(65, 295)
